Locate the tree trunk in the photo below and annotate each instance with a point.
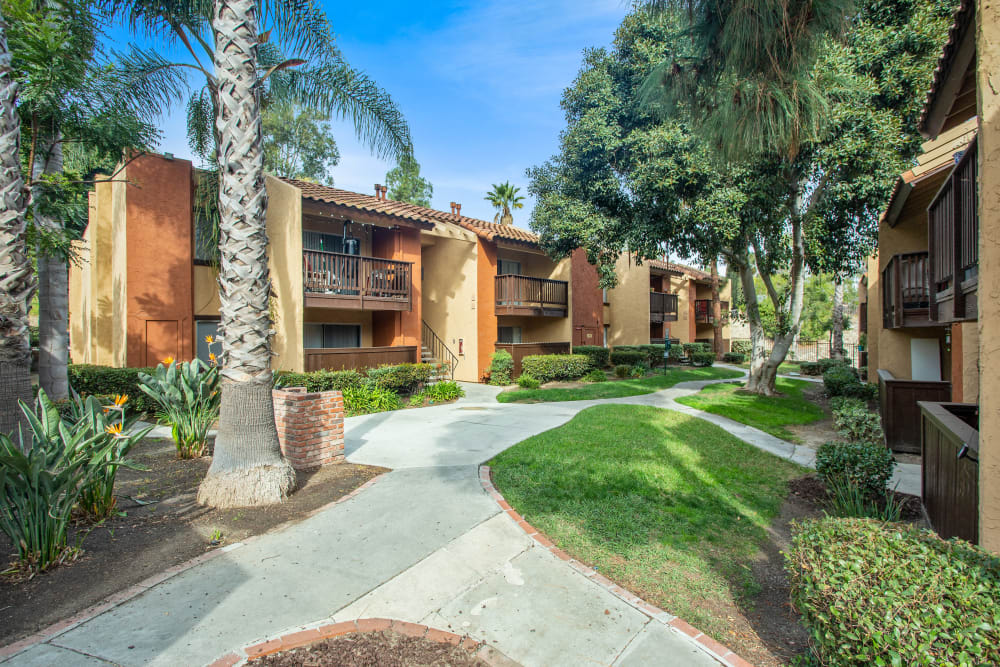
(837, 344)
(247, 467)
(716, 311)
(53, 291)
(17, 282)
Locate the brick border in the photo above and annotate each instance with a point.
(123, 596)
(717, 650)
(308, 635)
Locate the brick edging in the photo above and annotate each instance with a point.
(717, 650)
(302, 637)
(123, 596)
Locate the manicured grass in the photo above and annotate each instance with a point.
(668, 506)
(617, 388)
(770, 414)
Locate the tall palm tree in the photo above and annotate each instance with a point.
(504, 197)
(17, 282)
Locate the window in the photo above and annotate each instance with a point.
(203, 328)
(331, 243)
(508, 334)
(505, 267)
(331, 335)
(606, 328)
(206, 240)
(604, 295)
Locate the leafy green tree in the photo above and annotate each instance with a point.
(817, 306)
(298, 142)
(504, 197)
(406, 184)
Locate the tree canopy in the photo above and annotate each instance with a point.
(298, 142)
(406, 184)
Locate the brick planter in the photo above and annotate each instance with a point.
(310, 426)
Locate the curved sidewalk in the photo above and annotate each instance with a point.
(424, 544)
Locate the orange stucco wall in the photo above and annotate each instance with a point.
(588, 301)
(159, 274)
(486, 321)
(399, 327)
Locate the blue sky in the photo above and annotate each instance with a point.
(478, 82)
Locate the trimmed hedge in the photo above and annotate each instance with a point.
(872, 593)
(865, 465)
(527, 382)
(549, 367)
(837, 378)
(627, 357)
(401, 378)
(734, 358)
(694, 348)
(501, 368)
(858, 424)
(323, 380)
(89, 380)
(654, 354)
(599, 356)
(809, 368)
(703, 358)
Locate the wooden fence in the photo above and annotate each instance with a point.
(898, 404)
(340, 358)
(950, 468)
(521, 350)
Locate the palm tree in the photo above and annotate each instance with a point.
(504, 197)
(247, 467)
(17, 282)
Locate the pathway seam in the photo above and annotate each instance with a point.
(721, 653)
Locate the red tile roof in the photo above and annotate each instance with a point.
(421, 215)
(697, 274)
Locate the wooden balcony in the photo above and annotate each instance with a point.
(953, 243)
(356, 358)
(335, 280)
(950, 468)
(524, 295)
(906, 292)
(662, 307)
(703, 311)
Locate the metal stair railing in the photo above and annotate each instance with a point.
(438, 349)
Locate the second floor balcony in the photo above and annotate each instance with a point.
(703, 311)
(524, 295)
(906, 291)
(662, 307)
(354, 282)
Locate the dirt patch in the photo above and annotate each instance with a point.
(374, 649)
(162, 526)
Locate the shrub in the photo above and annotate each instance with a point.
(598, 355)
(827, 364)
(864, 464)
(743, 347)
(368, 399)
(703, 358)
(527, 382)
(88, 380)
(596, 375)
(400, 378)
(858, 424)
(849, 500)
(838, 403)
(639, 370)
(627, 357)
(654, 355)
(439, 392)
(676, 352)
(323, 380)
(734, 358)
(623, 370)
(549, 367)
(810, 368)
(41, 478)
(694, 348)
(863, 391)
(837, 378)
(501, 368)
(188, 397)
(872, 593)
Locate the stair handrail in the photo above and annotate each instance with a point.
(438, 348)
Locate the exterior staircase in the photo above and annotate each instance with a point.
(434, 351)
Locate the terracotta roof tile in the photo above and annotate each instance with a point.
(697, 274)
(419, 214)
(962, 17)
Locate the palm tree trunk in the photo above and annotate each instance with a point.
(17, 282)
(837, 347)
(247, 467)
(716, 311)
(53, 292)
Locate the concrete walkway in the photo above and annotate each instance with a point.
(424, 544)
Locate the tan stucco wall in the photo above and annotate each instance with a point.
(539, 265)
(206, 291)
(970, 361)
(629, 304)
(449, 293)
(988, 53)
(284, 231)
(119, 267)
(79, 300)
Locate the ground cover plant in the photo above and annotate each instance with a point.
(875, 593)
(613, 389)
(771, 414)
(666, 505)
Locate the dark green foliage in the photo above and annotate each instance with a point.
(826, 364)
(323, 380)
(88, 380)
(654, 354)
(676, 352)
(596, 375)
(868, 466)
(703, 358)
(872, 593)
(599, 356)
(692, 348)
(406, 184)
(859, 424)
(549, 367)
(733, 358)
(527, 382)
(837, 378)
(864, 391)
(810, 368)
(627, 357)
(623, 370)
(501, 368)
(298, 142)
(369, 398)
(401, 378)
(741, 346)
(838, 403)
(439, 392)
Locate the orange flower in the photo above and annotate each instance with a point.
(168, 361)
(114, 429)
(209, 340)
(120, 400)
(211, 357)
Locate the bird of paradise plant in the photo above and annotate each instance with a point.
(187, 394)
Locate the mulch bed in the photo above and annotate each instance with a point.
(162, 526)
(374, 649)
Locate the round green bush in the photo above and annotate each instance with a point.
(703, 358)
(623, 370)
(866, 465)
(872, 593)
(595, 375)
(837, 378)
(858, 424)
(599, 356)
(527, 382)
(549, 367)
(734, 358)
(501, 368)
(639, 370)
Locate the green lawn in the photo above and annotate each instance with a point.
(617, 388)
(770, 414)
(668, 506)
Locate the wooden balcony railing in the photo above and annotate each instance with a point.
(335, 280)
(524, 295)
(949, 468)
(898, 398)
(953, 243)
(703, 311)
(662, 307)
(906, 291)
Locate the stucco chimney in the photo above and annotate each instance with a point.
(452, 204)
(385, 189)
(458, 209)
(378, 191)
